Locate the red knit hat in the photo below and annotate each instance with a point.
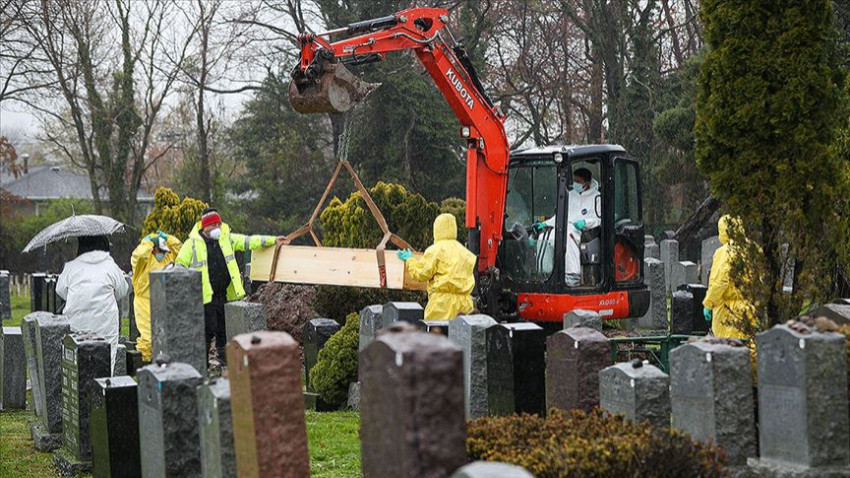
(210, 217)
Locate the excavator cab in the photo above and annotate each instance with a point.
(546, 264)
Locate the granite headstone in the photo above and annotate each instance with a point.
(177, 316)
(114, 428)
(469, 332)
(13, 370)
(516, 369)
(574, 358)
(637, 390)
(370, 323)
(242, 317)
(218, 457)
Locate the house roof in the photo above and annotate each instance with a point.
(54, 182)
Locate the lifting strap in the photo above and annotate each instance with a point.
(373, 208)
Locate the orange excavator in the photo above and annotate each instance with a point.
(534, 261)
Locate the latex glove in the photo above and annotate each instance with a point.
(580, 224)
(706, 312)
(153, 237)
(162, 236)
(404, 255)
(538, 226)
(532, 242)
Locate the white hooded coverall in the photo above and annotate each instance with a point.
(581, 206)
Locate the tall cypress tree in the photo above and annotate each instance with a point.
(772, 99)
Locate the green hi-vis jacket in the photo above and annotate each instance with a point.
(193, 254)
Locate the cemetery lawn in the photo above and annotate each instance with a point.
(18, 457)
(20, 308)
(334, 441)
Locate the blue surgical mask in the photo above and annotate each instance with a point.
(160, 256)
(215, 234)
(578, 187)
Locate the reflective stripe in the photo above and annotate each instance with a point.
(196, 264)
(229, 258)
(194, 254)
(247, 243)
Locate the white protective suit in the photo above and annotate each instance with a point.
(92, 284)
(581, 206)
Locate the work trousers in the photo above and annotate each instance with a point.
(214, 324)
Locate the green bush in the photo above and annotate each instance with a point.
(595, 444)
(171, 215)
(336, 302)
(337, 364)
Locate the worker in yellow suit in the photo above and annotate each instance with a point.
(447, 266)
(153, 253)
(725, 307)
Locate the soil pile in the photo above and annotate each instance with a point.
(288, 306)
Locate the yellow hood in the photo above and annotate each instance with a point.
(723, 226)
(445, 227)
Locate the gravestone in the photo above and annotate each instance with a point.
(469, 332)
(413, 421)
(410, 312)
(656, 315)
(838, 313)
(439, 327)
(651, 250)
(574, 358)
(490, 469)
(134, 329)
(243, 317)
(637, 390)
(120, 361)
(316, 334)
(709, 247)
(28, 326)
(5, 296)
(353, 402)
(177, 317)
(218, 457)
(114, 428)
(50, 330)
(683, 273)
(699, 325)
(269, 431)
(682, 313)
(168, 419)
(670, 257)
(13, 370)
(516, 369)
(583, 318)
(370, 323)
(802, 393)
(711, 392)
(86, 357)
(38, 296)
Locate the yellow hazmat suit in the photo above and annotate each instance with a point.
(723, 297)
(143, 262)
(447, 267)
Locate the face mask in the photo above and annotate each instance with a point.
(215, 234)
(578, 187)
(159, 256)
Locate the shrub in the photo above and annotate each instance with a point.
(171, 215)
(337, 364)
(595, 444)
(335, 302)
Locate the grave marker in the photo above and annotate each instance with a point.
(490, 469)
(683, 273)
(583, 318)
(370, 323)
(637, 390)
(651, 250)
(13, 371)
(269, 431)
(28, 326)
(410, 312)
(38, 296)
(242, 317)
(177, 317)
(698, 325)
(469, 332)
(709, 247)
(49, 332)
(682, 315)
(120, 361)
(413, 421)
(574, 358)
(516, 369)
(114, 428)
(316, 334)
(838, 313)
(5, 296)
(669, 256)
(218, 457)
(439, 327)
(656, 316)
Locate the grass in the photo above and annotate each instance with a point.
(18, 457)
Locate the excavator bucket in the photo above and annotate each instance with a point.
(337, 91)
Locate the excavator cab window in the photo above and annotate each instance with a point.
(529, 238)
(628, 223)
(583, 247)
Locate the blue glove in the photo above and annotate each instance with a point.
(404, 255)
(537, 226)
(580, 224)
(532, 242)
(707, 313)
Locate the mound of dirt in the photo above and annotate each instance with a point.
(288, 306)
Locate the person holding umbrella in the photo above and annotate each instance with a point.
(92, 284)
(152, 254)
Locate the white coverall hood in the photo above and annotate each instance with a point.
(92, 284)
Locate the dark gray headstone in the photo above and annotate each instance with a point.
(656, 316)
(838, 313)
(13, 370)
(243, 317)
(115, 428)
(682, 314)
(699, 325)
(709, 247)
(516, 369)
(38, 295)
(370, 323)
(640, 393)
(574, 358)
(469, 332)
(490, 469)
(134, 362)
(413, 421)
(50, 331)
(218, 457)
(802, 398)
(583, 318)
(177, 317)
(670, 257)
(28, 326)
(168, 420)
(683, 273)
(5, 296)
(410, 312)
(711, 395)
(439, 327)
(134, 329)
(316, 334)
(120, 361)
(86, 357)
